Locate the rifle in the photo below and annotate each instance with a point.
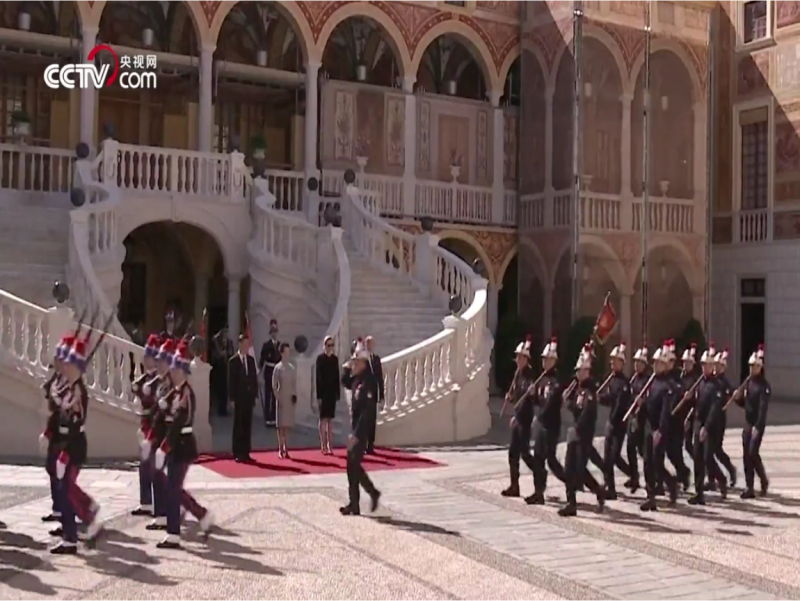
(686, 396)
(527, 392)
(605, 383)
(737, 392)
(638, 400)
(102, 337)
(570, 388)
(510, 393)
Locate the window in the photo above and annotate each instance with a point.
(12, 99)
(754, 126)
(756, 25)
(455, 3)
(753, 288)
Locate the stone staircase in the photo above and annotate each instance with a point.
(34, 237)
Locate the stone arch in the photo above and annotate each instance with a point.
(473, 42)
(476, 246)
(501, 271)
(686, 263)
(394, 37)
(539, 265)
(613, 264)
(516, 52)
(604, 38)
(290, 10)
(192, 8)
(668, 45)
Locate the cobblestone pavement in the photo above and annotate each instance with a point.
(441, 533)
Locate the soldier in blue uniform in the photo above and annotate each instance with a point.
(658, 411)
(675, 436)
(144, 389)
(709, 402)
(583, 405)
(364, 402)
(689, 376)
(617, 397)
(547, 425)
(755, 400)
(636, 424)
(727, 390)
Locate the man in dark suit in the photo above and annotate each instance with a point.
(270, 357)
(376, 368)
(242, 393)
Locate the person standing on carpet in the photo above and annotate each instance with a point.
(328, 394)
(270, 356)
(284, 387)
(365, 393)
(376, 368)
(242, 393)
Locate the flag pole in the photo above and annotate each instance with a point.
(577, 53)
(645, 215)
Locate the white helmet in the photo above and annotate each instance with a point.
(618, 352)
(757, 358)
(690, 353)
(641, 354)
(663, 353)
(669, 347)
(585, 358)
(524, 348)
(550, 350)
(709, 355)
(722, 358)
(360, 351)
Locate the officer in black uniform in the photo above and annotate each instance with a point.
(675, 436)
(364, 403)
(547, 425)
(689, 376)
(582, 402)
(635, 443)
(521, 397)
(617, 396)
(727, 390)
(755, 400)
(658, 410)
(709, 402)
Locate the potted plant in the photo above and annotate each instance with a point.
(362, 150)
(21, 124)
(258, 147)
(455, 164)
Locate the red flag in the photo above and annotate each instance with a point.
(606, 321)
(204, 356)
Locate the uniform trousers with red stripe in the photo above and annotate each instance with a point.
(178, 497)
(74, 501)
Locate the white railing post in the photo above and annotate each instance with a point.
(458, 348)
(21, 166)
(236, 176)
(199, 381)
(110, 165)
(59, 321)
(425, 261)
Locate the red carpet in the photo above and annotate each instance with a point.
(310, 461)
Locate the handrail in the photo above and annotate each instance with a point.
(338, 329)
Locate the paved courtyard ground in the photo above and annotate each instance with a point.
(442, 533)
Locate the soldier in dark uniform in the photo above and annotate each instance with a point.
(73, 453)
(583, 405)
(617, 396)
(547, 425)
(636, 424)
(144, 389)
(689, 376)
(675, 435)
(658, 410)
(755, 400)
(179, 450)
(709, 402)
(727, 390)
(365, 393)
(270, 356)
(521, 398)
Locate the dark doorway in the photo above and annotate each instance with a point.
(752, 328)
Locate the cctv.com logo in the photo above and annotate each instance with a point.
(89, 75)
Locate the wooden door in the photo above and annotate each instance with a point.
(124, 116)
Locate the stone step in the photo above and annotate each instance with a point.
(17, 249)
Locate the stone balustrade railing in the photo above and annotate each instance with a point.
(452, 201)
(389, 190)
(436, 366)
(288, 188)
(35, 168)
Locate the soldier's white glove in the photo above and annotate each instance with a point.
(145, 450)
(61, 465)
(43, 442)
(140, 436)
(137, 404)
(161, 458)
(162, 404)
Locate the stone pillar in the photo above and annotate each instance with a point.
(625, 152)
(491, 307)
(410, 139)
(312, 121)
(498, 154)
(205, 119)
(234, 306)
(88, 95)
(700, 141)
(458, 351)
(425, 263)
(548, 140)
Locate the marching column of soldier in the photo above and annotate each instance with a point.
(661, 411)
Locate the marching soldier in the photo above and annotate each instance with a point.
(179, 450)
(636, 425)
(582, 402)
(675, 435)
(755, 400)
(72, 455)
(691, 373)
(617, 396)
(144, 388)
(727, 390)
(521, 395)
(365, 393)
(709, 402)
(547, 425)
(658, 410)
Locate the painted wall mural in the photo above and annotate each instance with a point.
(453, 134)
(344, 119)
(395, 132)
(787, 147)
(481, 151)
(787, 66)
(424, 137)
(510, 125)
(753, 74)
(788, 13)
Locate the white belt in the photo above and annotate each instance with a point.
(186, 430)
(65, 429)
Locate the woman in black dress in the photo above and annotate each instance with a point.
(328, 392)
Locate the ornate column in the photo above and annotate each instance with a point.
(625, 151)
(410, 141)
(548, 139)
(700, 141)
(234, 306)
(498, 155)
(88, 95)
(205, 116)
(312, 121)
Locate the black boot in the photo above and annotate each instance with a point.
(673, 493)
(748, 493)
(710, 487)
(53, 517)
(536, 498)
(374, 498)
(723, 489)
(350, 510)
(511, 491)
(697, 499)
(142, 511)
(57, 532)
(732, 477)
(63, 548)
(601, 498)
(569, 510)
(649, 505)
(764, 487)
(611, 494)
